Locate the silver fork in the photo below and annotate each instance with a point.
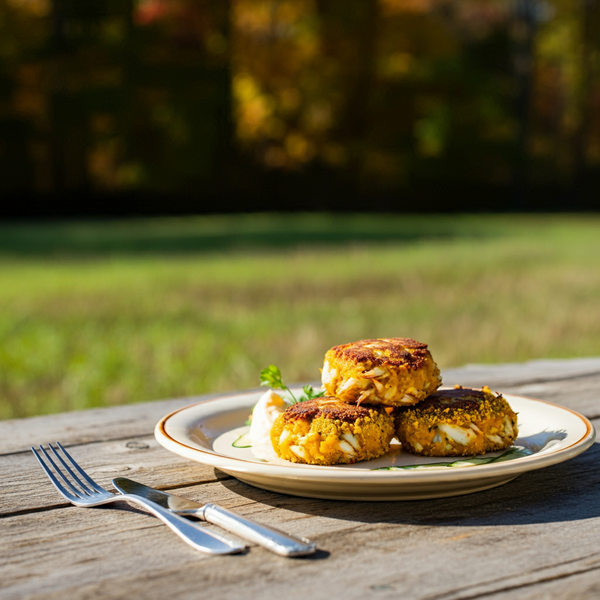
(90, 494)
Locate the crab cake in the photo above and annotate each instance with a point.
(457, 422)
(388, 371)
(325, 431)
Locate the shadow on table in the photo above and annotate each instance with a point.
(569, 491)
(210, 233)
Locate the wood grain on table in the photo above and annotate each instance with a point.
(535, 537)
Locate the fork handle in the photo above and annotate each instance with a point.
(270, 538)
(197, 537)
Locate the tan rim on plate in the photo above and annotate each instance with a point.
(192, 431)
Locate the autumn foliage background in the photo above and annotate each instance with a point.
(284, 113)
(154, 106)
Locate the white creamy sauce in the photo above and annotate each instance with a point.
(268, 408)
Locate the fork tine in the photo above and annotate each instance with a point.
(86, 490)
(52, 478)
(78, 492)
(80, 470)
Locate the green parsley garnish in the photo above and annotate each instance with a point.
(271, 376)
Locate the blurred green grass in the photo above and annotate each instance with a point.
(105, 313)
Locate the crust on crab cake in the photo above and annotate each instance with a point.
(388, 371)
(457, 422)
(325, 431)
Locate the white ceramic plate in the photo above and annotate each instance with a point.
(204, 432)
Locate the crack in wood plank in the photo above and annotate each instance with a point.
(555, 379)
(86, 443)
(457, 594)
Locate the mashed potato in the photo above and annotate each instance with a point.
(264, 414)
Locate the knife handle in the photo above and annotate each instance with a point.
(270, 538)
(197, 537)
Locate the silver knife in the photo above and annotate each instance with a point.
(270, 538)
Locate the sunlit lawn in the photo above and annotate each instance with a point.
(90, 315)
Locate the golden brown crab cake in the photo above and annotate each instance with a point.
(388, 371)
(457, 422)
(325, 431)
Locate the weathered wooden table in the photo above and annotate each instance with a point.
(535, 537)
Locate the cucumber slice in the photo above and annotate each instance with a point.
(469, 462)
(243, 441)
(512, 453)
(411, 467)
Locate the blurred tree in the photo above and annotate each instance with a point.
(205, 97)
(348, 31)
(525, 20)
(588, 85)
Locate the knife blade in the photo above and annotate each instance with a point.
(268, 537)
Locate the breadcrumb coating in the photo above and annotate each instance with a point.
(457, 422)
(388, 371)
(325, 431)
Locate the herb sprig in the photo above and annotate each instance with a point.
(272, 377)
